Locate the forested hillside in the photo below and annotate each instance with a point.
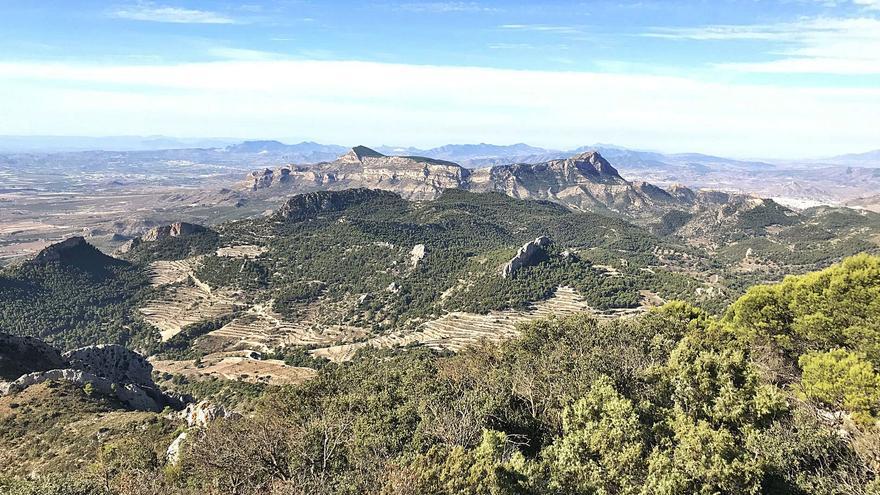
(779, 395)
(73, 295)
(373, 262)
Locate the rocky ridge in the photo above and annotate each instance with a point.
(107, 369)
(585, 181)
(414, 178)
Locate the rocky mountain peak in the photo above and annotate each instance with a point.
(358, 153)
(595, 161)
(74, 251)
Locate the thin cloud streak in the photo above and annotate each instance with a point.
(150, 12)
(444, 7)
(819, 45)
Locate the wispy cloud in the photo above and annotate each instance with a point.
(868, 4)
(228, 53)
(444, 7)
(546, 28)
(150, 12)
(817, 45)
(511, 46)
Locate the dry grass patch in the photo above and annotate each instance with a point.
(237, 366)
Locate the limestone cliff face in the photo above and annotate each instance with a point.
(527, 255)
(584, 182)
(413, 178)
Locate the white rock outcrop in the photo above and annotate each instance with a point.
(417, 254)
(199, 415)
(525, 256)
(172, 454)
(176, 229)
(110, 370)
(133, 396)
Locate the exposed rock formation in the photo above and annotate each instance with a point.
(267, 178)
(196, 416)
(172, 454)
(583, 182)
(527, 255)
(22, 355)
(163, 232)
(203, 413)
(176, 229)
(132, 395)
(109, 369)
(417, 254)
(114, 362)
(414, 178)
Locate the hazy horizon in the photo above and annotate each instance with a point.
(88, 143)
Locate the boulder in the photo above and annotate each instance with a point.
(172, 454)
(199, 415)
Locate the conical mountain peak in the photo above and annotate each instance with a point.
(596, 161)
(358, 153)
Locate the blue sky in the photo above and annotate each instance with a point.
(790, 78)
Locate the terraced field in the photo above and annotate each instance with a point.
(182, 305)
(261, 328)
(169, 272)
(458, 330)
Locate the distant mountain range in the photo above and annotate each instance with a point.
(585, 181)
(471, 155)
(799, 184)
